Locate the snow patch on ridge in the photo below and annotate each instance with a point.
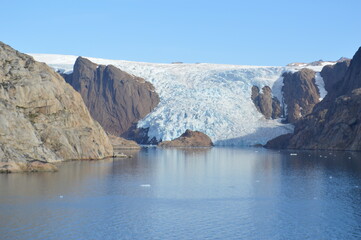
(211, 98)
(60, 63)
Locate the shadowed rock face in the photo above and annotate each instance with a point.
(336, 127)
(335, 122)
(114, 98)
(266, 104)
(333, 75)
(189, 139)
(300, 93)
(42, 118)
(352, 79)
(139, 135)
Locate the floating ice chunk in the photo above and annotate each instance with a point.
(145, 185)
(293, 154)
(61, 196)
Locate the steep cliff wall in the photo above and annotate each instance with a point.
(300, 93)
(335, 122)
(114, 98)
(41, 116)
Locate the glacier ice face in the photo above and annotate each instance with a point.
(320, 85)
(211, 98)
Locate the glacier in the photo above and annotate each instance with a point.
(211, 98)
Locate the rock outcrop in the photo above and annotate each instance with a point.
(269, 106)
(116, 99)
(335, 122)
(333, 75)
(189, 139)
(300, 93)
(121, 143)
(28, 166)
(139, 135)
(42, 118)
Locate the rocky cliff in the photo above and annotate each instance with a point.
(352, 79)
(116, 99)
(335, 122)
(266, 104)
(189, 139)
(300, 93)
(333, 75)
(42, 118)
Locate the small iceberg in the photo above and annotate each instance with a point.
(145, 185)
(293, 154)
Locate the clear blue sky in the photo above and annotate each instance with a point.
(272, 32)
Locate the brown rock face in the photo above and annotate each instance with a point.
(189, 139)
(300, 93)
(333, 75)
(336, 127)
(29, 166)
(42, 118)
(121, 143)
(266, 104)
(352, 79)
(114, 98)
(335, 122)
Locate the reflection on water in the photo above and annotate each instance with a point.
(219, 193)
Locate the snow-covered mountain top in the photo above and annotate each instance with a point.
(211, 98)
(319, 63)
(64, 63)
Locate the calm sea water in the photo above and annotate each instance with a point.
(219, 193)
